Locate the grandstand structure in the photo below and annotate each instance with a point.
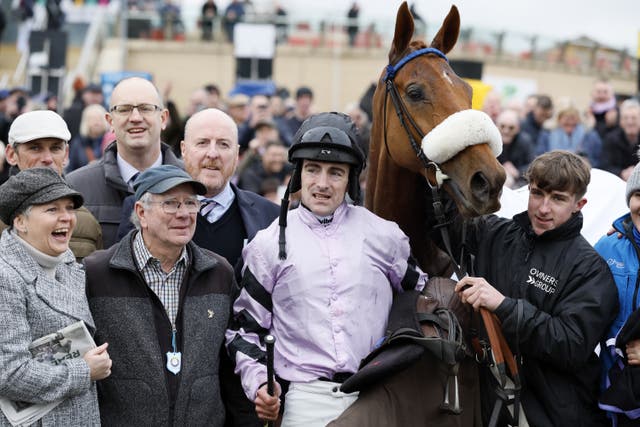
(104, 39)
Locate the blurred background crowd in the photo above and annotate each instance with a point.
(213, 54)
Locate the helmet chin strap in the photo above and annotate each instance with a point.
(282, 222)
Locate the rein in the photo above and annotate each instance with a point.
(502, 354)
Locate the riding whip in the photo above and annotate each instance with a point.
(269, 342)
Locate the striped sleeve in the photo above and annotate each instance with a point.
(405, 274)
(250, 323)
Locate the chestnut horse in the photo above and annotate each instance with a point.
(430, 92)
(417, 92)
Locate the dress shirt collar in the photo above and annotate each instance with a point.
(224, 198)
(143, 256)
(127, 171)
(312, 220)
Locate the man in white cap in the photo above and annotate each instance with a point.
(40, 139)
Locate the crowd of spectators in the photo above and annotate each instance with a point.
(606, 132)
(266, 125)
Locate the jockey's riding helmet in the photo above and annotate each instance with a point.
(328, 137)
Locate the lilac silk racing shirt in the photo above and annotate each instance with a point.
(327, 304)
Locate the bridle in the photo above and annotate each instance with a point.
(405, 116)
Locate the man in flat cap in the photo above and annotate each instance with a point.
(40, 139)
(162, 303)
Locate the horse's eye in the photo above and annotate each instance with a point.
(415, 93)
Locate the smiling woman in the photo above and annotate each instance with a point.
(40, 207)
(38, 274)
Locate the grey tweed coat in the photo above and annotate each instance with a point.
(33, 305)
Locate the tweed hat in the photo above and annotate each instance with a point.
(34, 186)
(633, 183)
(38, 124)
(163, 178)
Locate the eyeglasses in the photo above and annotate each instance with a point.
(171, 206)
(507, 127)
(126, 109)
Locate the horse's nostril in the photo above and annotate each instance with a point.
(480, 187)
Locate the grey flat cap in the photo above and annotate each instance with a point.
(163, 178)
(34, 186)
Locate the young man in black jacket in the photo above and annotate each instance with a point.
(551, 291)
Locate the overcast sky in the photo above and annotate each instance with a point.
(612, 22)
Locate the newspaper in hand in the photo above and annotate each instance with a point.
(68, 343)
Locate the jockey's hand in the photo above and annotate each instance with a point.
(268, 407)
(479, 293)
(633, 352)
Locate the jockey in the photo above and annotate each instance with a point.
(326, 294)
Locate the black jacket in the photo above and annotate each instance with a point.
(532, 128)
(618, 152)
(568, 299)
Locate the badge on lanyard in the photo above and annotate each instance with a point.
(174, 358)
(174, 362)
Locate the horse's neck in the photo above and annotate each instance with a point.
(401, 196)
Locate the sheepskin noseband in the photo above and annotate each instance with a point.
(459, 131)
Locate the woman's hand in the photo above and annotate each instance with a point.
(99, 362)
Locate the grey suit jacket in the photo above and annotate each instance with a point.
(33, 305)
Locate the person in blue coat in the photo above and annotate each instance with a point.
(621, 251)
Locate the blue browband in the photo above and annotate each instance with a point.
(393, 69)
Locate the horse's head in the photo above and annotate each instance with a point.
(418, 92)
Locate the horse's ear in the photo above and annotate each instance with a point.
(403, 34)
(448, 33)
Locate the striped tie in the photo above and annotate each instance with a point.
(207, 206)
(132, 180)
